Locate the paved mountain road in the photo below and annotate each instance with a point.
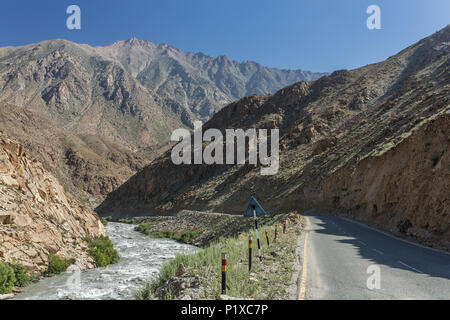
(339, 252)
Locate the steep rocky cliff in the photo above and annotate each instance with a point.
(36, 216)
(404, 189)
(356, 142)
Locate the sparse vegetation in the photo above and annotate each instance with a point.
(146, 227)
(119, 220)
(268, 279)
(21, 274)
(7, 278)
(57, 264)
(184, 236)
(101, 249)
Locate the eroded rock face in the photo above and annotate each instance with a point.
(405, 189)
(36, 216)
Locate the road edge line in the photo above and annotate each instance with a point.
(393, 236)
(302, 291)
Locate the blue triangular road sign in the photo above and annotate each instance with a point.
(253, 204)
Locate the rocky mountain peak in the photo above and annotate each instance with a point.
(134, 92)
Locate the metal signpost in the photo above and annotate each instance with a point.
(254, 209)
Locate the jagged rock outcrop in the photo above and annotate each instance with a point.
(36, 216)
(354, 142)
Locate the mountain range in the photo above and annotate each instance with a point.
(110, 110)
(132, 92)
(370, 143)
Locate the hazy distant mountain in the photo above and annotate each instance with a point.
(134, 92)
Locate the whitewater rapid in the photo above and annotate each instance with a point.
(141, 258)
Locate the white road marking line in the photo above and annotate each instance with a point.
(378, 251)
(302, 292)
(363, 243)
(395, 237)
(408, 266)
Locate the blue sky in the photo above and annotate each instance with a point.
(315, 35)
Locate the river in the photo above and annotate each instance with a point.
(141, 258)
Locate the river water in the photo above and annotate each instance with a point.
(141, 258)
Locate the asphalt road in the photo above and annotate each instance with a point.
(342, 256)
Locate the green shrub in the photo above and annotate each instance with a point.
(101, 249)
(21, 274)
(104, 221)
(185, 237)
(146, 227)
(188, 237)
(126, 220)
(56, 264)
(7, 278)
(119, 220)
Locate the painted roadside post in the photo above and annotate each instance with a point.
(284, 226)
(250, 246)
(267, 238)
(224, 273)
(254, 209)
(276, 233)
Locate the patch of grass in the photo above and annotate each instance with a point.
(125, 220)
(146, 227)
(7, 278)
(21, 274)
(101, 249)
(119, 220)
(185, 237)
(57, 264)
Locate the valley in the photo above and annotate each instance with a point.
(88, 138)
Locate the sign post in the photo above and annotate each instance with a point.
(254, 209)
(250, 245)
(257, 234)
(224, 273)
